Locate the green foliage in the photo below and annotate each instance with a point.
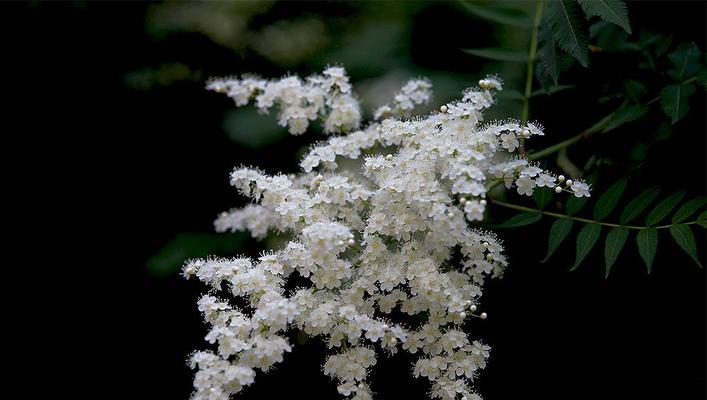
(686, 240)
(624, 114)
(586, 239)
(542, 196)
(504, 16)
(618, 234)
(521, 219)
(614, 243)
(547, 67)
(674, 101)
(663, 208)
(558, 232)
(498, 54)
(688, 209)
(647, 240)
(609, 199)
(613, 11)
(686, 60)
(186, 246)
(637, 205)
(568, 29)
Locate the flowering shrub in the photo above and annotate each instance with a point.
(395, 235)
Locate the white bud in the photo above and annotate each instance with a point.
(561, 178)
(189, 271)
(569, 182)
(351, 235)
(526, 133)
(393, 341)
(468, 303)
(462, 315)
(389, 157)
(462, 200)
(450, 214)
(340, 242)
(558, 189)
(483, 202)
(385, 327)
(484, 315)
(473, 308)
(351, 242)
(443, 109)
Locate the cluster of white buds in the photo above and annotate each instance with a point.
(388, 237)
(413, 93)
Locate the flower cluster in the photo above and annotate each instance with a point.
(391, 239)
(327, 96)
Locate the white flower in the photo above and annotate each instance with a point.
(363, 244)
(580, 189)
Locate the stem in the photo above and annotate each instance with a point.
(585, 220)
(529, 72)
(598, 126)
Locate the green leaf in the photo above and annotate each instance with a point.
(609, 199)
(193, 245)
(634, 90)
(615, 241)
(558, 233)
(663, 208)
(702, 218)
(686, 61)
(586, 239)
(575, 204)
(625, 114)
(522, 219)
(647, 240)
(546, 51)
(688, 209)
(542, 196)
(613, 11)
(499, 54)
(702, 78)
(684, 238)
(567, 29)
(674, 101)
(637, 205)
(505, 16)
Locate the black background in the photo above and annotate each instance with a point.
(128, 170)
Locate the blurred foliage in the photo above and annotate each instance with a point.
(539, 48)
(186, 246)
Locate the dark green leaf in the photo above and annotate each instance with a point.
(193, 245)
(634, 90)
(609, 199)
(674, 101)
(663, 208)
(702, 78)
(613, 11)
(568, 29)
(524, 218)
(575, 204)
(505, 16)
(542, 196)
(688, 209)
(702, 218)
(625, 114)
(615, 241)
(558, 233)
(684, 238)
(586, 239)
(546, 50)
(647, 240)
(499, 54)
(686, 61)
(637, 205)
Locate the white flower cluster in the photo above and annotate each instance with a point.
(414, 92)
(327, 96)
(391, 240)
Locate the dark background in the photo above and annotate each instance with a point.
(139, 167)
